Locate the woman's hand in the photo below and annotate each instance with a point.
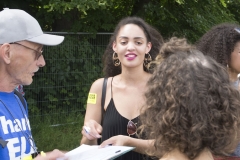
(141, 146)
(92, 130)
(119, 140)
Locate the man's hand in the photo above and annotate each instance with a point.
(51, 155)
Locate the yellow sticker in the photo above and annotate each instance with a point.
(92, 98)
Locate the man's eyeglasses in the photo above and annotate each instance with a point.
(131, 128)
(38, 53)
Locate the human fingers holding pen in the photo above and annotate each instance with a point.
(92, 130)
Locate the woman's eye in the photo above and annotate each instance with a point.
(138, 43)
(123, 42)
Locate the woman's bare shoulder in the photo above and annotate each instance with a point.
(97, 84)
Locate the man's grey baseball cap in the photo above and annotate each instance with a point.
(18, 25)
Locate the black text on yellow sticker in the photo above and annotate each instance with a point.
(92, 98)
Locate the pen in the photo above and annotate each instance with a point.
(118, 151)
(87, 129)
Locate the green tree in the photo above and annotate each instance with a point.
(188, 18)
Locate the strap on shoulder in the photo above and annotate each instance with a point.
(103, 96)
(21, 98)
(104, 88)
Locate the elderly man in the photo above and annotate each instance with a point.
(21, 43)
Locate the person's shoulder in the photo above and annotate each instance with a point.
(97, 84)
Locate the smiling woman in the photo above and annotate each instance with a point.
(133, 44)
(131, 47)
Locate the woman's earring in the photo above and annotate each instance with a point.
(147, 60)
(116, 61)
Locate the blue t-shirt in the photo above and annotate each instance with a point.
(14, 128)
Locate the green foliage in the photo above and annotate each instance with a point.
(190, 19)
(184, 18)
(81, 5)
(62, 85)
(65, 136)
(233, 6)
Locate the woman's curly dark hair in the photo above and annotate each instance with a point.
(151, 34)
(191, 104)
(219, 42)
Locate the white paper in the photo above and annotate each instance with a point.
(87, 152)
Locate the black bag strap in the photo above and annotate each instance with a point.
(21, 98)
(104, 88)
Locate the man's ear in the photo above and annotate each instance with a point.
(5, 53)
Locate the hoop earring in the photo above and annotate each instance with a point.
(147, 60)
(116, 61)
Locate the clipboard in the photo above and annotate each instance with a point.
(88, 152)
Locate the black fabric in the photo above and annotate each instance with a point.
(115, 124)
(21, 98)
(104, 88)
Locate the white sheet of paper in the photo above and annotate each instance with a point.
(87, 152)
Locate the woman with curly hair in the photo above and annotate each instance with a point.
(132, 46)
(192, 111)
(222, 43)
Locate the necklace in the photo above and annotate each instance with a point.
(25, 134)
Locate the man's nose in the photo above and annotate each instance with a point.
(41, 61)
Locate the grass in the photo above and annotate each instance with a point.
(65, 136)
